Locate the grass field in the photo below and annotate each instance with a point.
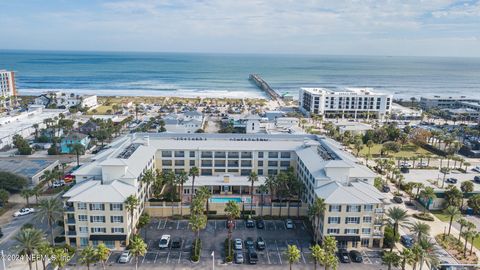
(102, 109)
(440, 215)
(408, 151)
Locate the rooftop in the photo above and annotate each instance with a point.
(95, 191)
(25, 167)
(344, 92)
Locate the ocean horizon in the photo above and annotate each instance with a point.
(226, 75)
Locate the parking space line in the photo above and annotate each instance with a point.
(159, 222)
(165, 224)
(303, 257)
(278, 253)
(215, 222)
(179, 257)
(155, 260)
(144, 257)
(168, 256)
(268, 256)
(304, 226)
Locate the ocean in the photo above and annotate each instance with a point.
(226, 75)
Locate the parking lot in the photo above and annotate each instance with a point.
(275, 234)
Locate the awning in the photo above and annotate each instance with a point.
(346, 238)
(103, 237)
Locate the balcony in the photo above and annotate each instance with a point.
(379, 211)
(69, 208)
(377, 234)
(70, 221)
(71, 233)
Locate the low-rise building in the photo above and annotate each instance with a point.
(32, 169)
(71, 139)
(61, 99)
(439, 102)
(185, 122)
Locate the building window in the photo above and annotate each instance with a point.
(285, 154)
(272, 172)
(82, 206)
(192, 153)
(116, 207)
(206, 163)
(351, 231)
(333, 220)
(207, 154)
(179, 162)
(285, 163)
(368, 207)
(354, 208)
(179, 154)
(110, 244)
(367, 219)
(206, 172)
(233, 163)
(260, 154)
(245, 172)
(98, 219)
(366, 231)
(273, 154)
(82, 218)
(220, 163)
(352, 220)
(166, 162)
(192, 163)
(260, 163)
(246, 154)
(233, 155)
(97, 207)
(83, 229)
(116, 219)
(260, 172)
(98, 230)
(333, 231)
(83, 241)
(166, 153)
(365, 242)
(246, 163)
(220, 154)
(335, 208)
(272, 163)
(117, 230)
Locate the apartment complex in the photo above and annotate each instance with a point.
(224, 162)
(438, 102)
(61, 99)
(7, 86)
(349, 103)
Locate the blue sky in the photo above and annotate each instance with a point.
(370, 27)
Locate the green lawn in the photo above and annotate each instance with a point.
(409, 150)
(102, 109)
(440, 215)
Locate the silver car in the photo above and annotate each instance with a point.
(238, 244)
(289, 224)
(239, 257)
(125, 257)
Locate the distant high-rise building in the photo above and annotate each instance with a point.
(350, 103)
(7, 86)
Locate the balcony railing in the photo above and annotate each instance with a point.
(70, 221)
(69, 209)
(71, 233)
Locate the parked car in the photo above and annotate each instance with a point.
(343, 255)
(249, 243)
(397, 199)
(260, 243)
(405, 164)
(238, 244)
(289, 224)
(252, 256)
(177, 242)
(164, 241)
(385, 188)
(407, 241)
(404, 170)
(57, 184)
(125, 257)
(356, 256)
(451, 180)
(23, 212)
(476, 169)
(260, 224)
(250, 223)
(239, 257)
(476, 179)
(1, 233)
(421, 164)
(411, 204)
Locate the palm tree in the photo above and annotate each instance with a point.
(27, 243)
(194, 172)
(45, 251)
(293, 255)
(252, 178)
(397, 217)
(263, 189)
(453, 213)
(49, 176)
(77, 149)
(52, 210)
(315, 211)
(330, 247)
(143, 221)
(181, 179)
(390, 259)
(406, 257)
(474, 236)
(420, 229)
(317, 254)
(88, 256)
(36, 192)
(131, 204)
(369, 146)
(270, 181)
(427, 254)
(444, 171)
(233, 211)
(148, 178)
(58, 258)
(463, 223)
(102, 254)
(428, 194)
(138, 248)
(26, 194)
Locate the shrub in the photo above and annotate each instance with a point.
(423, 216)
(228, 257)
(196, 249)
(389, 238)
(59, 239)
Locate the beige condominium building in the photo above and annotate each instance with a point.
(7, 86)
(96, 213)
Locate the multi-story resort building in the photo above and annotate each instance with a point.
(95, 209)
(7, 86)
(349, 103)
(438, 102)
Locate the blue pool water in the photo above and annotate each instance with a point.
(227, 199)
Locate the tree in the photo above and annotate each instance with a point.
(59, 257)
(131, 204)
(22, 145)
(45, 251)
(263, 189)
(4, 195)
(148, 178)
(138, 248)
(390, 259)
(318, 254)
(358, 145)
(420, 229)
(102, 253)
(463, 223)
(12, 182)
(427, 194)
(233, 211)
(293, 255)
(315, 211)
(444, 171)
(88, 256)
(143, 221)
(397, 218)
(27, 243)
(473, 236)
(181, 179)
(406, 258)
(474, 203)
(26, 194)
(194, 172)
(453, 196)
(427, 253)
(466, 187)
(390, 147)
(370, 145)
(52, 210)
(453, 213)
(252, 178)
(330, 247)
(77, 149)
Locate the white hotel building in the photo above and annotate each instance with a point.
(7, 86)
(95, 211)
(350, 103)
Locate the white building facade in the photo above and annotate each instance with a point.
(350, 103)
(7, 86)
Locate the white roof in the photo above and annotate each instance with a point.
(354, 193)
(93, 191)
(218, 180)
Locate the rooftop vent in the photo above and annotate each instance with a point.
(128, 151)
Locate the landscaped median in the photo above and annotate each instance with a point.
(458, 249)
(196, 250)
(228, 251)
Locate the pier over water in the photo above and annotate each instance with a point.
(262, 84)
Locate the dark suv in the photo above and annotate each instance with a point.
(356, 256)
(343, 255)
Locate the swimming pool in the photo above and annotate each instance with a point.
(227, 199)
